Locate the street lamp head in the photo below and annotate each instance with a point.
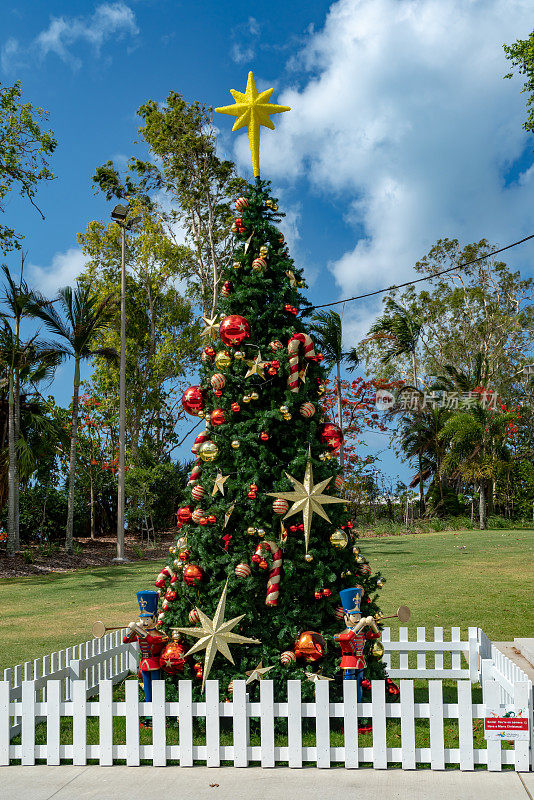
(119, 213)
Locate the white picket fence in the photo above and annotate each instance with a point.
(66, 689)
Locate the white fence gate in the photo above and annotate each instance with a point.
(445, 736)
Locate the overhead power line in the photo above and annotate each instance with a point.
(427, 277)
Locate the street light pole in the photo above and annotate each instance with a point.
(122, 407)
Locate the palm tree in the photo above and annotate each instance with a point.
(18, 298)
(85, 316)
(402, 329)
(477, 449)
(25, 363)
(327, 328)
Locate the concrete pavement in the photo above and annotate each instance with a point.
(254, 783)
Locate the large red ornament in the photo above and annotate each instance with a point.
(234, 329)
(310, 646)
(184, 514)
(193, 574)
(217, 417)
(193, 400)
(172, 658)
(330, 435)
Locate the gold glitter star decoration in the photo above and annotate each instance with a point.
(228, 514)
(252, 109)
(316, 676)
(256, 367)
(215, 635)
(308, 498)
(292, 279)
(212, 327)
(218, 486)
(258, 673)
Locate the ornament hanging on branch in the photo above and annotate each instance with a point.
(234, 329)
(331, 435)
(273, 583)
(293, 351)
(193, 400)
(310, 646)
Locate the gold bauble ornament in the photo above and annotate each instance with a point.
(284, 410)
(356, 550)
(208, 451)
(377, 649)
(287, 417)
(264, 251)
(254, 396)
(380, 583)
(308, 557)
(246, 398)
(239, 355)
(339, 539)
(223, 360)
(260, 532)
(177, 563)
(236, 264)
(251, 531)
(172, 550)
(235, 444)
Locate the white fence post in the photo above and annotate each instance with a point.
(465, 725)
(132, 722)
(437, 741)
(79, 723)
(213, 733)
(322, 723)
(159, 721)
(185, 716)
(491, 698)
(294, 723)
(379, 725)
(105, 709)
(407, 707)
(522, 704)
(28, 723)
(240, 703)
(5, 721)
(350, 724)
(53, 718)
(267, 723)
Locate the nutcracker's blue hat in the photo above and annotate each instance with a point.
(148, 602)
(351, 599)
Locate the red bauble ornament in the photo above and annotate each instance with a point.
(366, 684)
(184, 514)
(172, 658)
(264, 436)
(203, 521)
(239, 222)
(212, 519)
(234, 329)
(170, 595)
(228, 288)
(293, 528)
(327, 592)
(252, 495)
(262, 563)
(193, 574)
(184, 555)
(310, 646)
(210, 352)
(330, 435)
(218, 417)
(241, 203)
(272, 371)
(318, 594)
(217, 392)
(193, 400)
(235, 407)
(288, 307)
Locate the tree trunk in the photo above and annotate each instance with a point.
(340, 415)
(10, 546)
(72, 466)
(482, 506)
(92, 506)
(17, 471)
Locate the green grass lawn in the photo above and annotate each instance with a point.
(488, 584)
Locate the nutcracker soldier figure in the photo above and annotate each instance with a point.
(352, 641)
(151, 641)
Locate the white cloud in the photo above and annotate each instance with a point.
(109, 20)
(400, 107)
(245, 40)
(63, 271)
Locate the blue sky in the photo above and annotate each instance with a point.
(402, 129)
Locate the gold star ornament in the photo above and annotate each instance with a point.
(258, 673)
(212, 327)
(215, 635)
(252, 109)
(218, 486)
(256, 367)
(308, 498)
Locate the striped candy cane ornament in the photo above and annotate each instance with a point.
(293, 352)
(273, 588)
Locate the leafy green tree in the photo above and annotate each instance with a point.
(84, 317)
(327, 329)
(162, 339)
(521, 56)
(477, 448)
(194, 187)
(24, 152)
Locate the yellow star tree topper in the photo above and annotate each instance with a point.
(252, 109)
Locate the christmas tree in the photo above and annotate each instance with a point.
(265, 545)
